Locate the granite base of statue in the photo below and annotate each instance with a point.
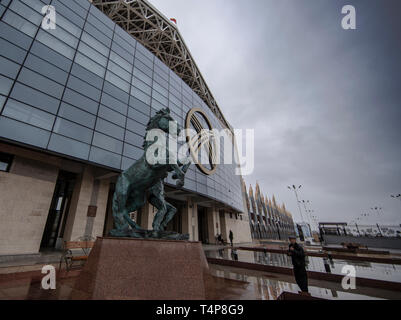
(139, 269)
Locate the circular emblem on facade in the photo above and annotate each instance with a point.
(201, 140)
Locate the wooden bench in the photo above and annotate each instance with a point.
(70, 259)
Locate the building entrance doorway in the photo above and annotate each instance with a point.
(58, 212)
(202, 225)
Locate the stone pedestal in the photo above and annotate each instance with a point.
(125, 268)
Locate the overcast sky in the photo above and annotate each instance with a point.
(325, 102)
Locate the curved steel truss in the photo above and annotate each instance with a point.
(159, 35)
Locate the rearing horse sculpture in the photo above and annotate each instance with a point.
(144, 181)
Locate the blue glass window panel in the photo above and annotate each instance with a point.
(108, 143)
(77, 115)
(142, 67)
(145, 60)
(55, 44)
(133, 138)
(98, 35)
(160, 80)
(35, 98)
(120, 61)
(5, 85)
(138, 116)
(64, 36)
(83, 3)
(104, 157)
(22, 112)
(73, 130)
(22, 132)
(2, 100)
(36, 5)
(68, 26)
(90, 65)
(113, 103)
(87, 76)
(80, 101)
(122, 41)
(112, 116)
(95, 44)
(174, 100)
(129, 40)
(126, 163)
(98, 24)
(27, 28)
(122, 52)
(28, 10)
(92, 54)
(163, 100)
(140, 106)
(145, 51)
(84, 88)
(69, 14)
(99, 15)
(156, 105)
(13, 35)
(142, 76)
(132, 151)
(142, 86)
(115, 92)
(73, 8)
(116, 69)
(161, 73)
(110, 129)
(41, 83)
(51, 56)
(11, 51)
(135, 126)
(69, 146)
(8, 68)
(139, 94)
(117, 81)
(40, 66)
(160, 89)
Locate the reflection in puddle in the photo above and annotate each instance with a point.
(270, 289)
(378, 271)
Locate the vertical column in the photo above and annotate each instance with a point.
(147, 215)
(212, 223)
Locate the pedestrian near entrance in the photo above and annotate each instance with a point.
(231, 236)
(297, 254)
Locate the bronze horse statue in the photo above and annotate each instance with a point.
(144, 181)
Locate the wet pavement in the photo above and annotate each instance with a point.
(378, 271)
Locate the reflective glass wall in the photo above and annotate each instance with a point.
(87, 89)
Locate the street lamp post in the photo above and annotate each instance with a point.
(294, 188)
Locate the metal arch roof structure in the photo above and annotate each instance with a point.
(159, 35)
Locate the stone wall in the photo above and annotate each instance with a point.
(25, 196)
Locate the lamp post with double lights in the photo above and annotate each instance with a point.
(294, 188)
(379, 212)
(304, 202)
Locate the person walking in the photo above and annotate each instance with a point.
(231, 236)
(297, 254)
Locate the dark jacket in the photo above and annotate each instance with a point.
(297, 256)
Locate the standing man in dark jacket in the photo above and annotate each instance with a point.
(298, 261)
(231, 236)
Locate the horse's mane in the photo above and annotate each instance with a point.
(154, 123)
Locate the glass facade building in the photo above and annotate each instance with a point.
(86, 90)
